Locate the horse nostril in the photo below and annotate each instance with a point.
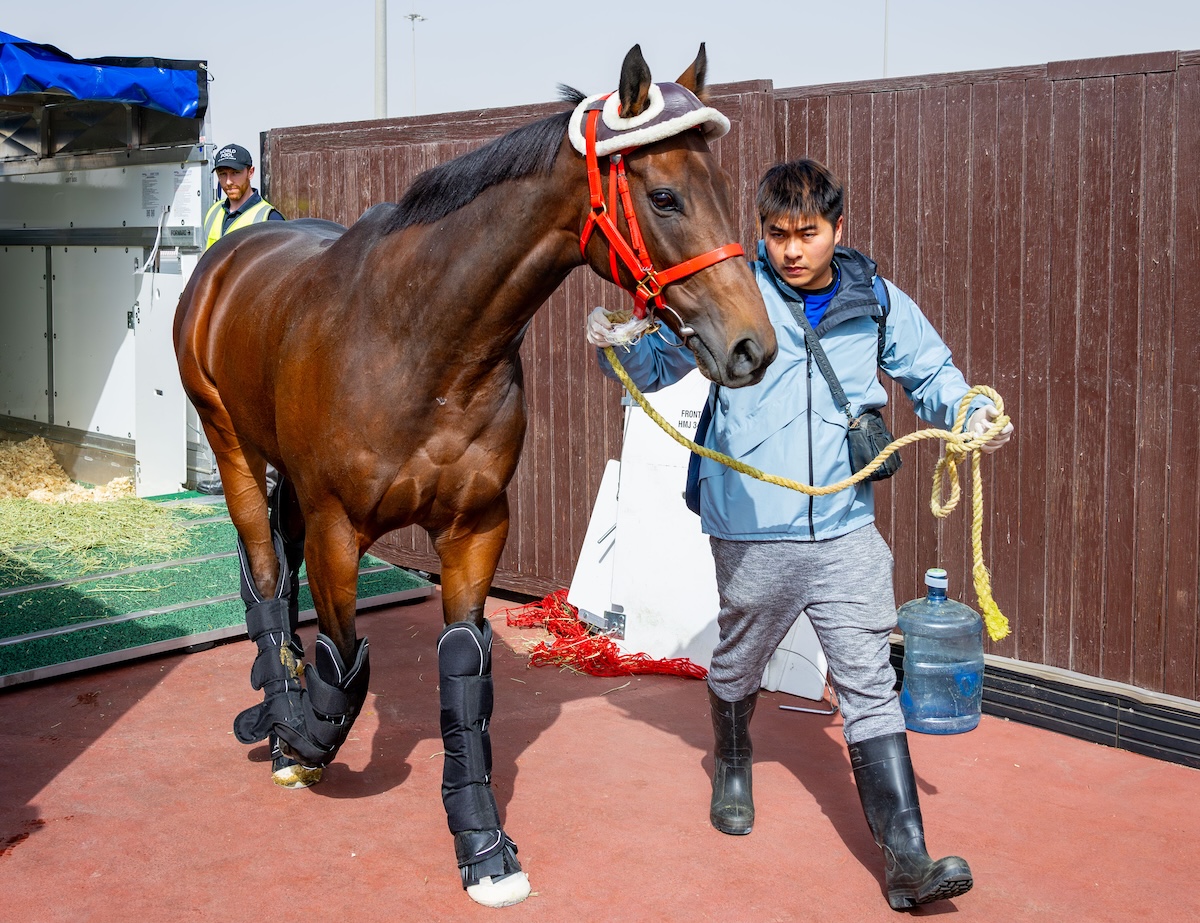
(745, 360)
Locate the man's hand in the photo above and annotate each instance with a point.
(599, 328)
(981, 421)
(617, 328)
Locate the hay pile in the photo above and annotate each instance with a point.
(44, 513)
(28, 471)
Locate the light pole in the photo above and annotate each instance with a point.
(885, 37)
(381, 59)
(414, 18)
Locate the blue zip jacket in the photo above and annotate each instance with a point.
(788, 423)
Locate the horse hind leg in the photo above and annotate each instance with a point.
(270, 549)
(336, 681)
(271, 623)
(269, 557)
(287, 527)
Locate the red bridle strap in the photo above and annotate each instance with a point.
(649, 282)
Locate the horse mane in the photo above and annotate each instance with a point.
(524, 151)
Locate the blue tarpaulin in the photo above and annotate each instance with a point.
(176, 87)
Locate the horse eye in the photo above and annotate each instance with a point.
(663, 200)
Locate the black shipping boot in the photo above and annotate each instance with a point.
(884, 775)
(334, 692)
(732, 808)
(277, 666)
(487, 858)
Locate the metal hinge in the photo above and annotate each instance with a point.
(614, 625)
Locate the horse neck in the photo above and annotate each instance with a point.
(487, 268)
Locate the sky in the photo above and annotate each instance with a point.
(277, 63)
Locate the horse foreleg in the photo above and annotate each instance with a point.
(487, 858)
(335, 683)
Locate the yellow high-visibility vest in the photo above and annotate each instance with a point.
(215, 219)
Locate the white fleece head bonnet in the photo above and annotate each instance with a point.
(671, 109)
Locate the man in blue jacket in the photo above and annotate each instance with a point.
(780, 553)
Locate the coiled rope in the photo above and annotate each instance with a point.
(959, 445)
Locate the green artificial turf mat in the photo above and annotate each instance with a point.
(65, 601)
(72, 603)
(118, 594)
(45, 564)
(128, 634)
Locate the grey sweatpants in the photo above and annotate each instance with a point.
(844, 586)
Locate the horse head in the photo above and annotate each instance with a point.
(664, 209)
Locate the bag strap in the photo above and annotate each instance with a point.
(885, 305)
(814, 342)
(814, 347)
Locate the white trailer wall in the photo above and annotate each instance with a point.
(96, 250)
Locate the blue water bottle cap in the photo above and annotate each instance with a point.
(937, 577)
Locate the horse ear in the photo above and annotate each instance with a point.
(635, 83)
(693, 78)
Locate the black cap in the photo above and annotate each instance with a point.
(234, 156)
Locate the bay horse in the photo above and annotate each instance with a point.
(377, 369)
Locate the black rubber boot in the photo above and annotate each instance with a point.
(884, 775)
(732, 808)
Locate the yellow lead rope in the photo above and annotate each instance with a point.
(958, 446)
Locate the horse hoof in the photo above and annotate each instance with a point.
(296, 776)
(285, 771)
(511, 889)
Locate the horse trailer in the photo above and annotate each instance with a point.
(103, 190)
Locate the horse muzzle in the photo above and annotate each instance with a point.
(742, 364)
(748, 361)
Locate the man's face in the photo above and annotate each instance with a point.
(801, 249)
(235, 183)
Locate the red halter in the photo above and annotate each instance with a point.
(632, 253)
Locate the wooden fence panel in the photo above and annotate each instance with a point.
(1115, 627)
(1155, 247)
(976, 348)
(1062, 329)
(1092, 372)
(952, 548)
(1178, 631)
(902, 499)
(1032, 411)
(925, 281)
(1007, 489)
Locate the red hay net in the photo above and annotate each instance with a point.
(575, 646)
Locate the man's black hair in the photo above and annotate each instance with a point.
(800, 187)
